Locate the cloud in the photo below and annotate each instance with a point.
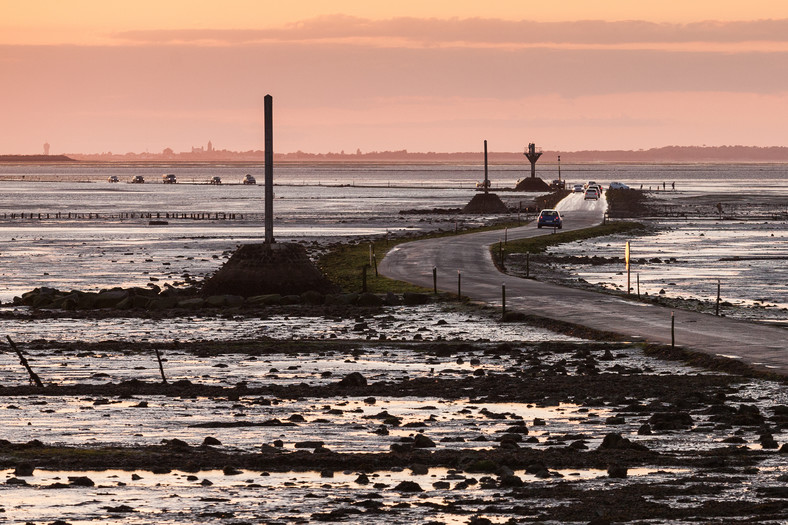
(408, 31)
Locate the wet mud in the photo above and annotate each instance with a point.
(447, 430)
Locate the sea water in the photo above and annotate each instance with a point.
(80, 231)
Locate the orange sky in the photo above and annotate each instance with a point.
(94, 76)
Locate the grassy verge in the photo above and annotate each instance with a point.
(541, 243)
(344, 265)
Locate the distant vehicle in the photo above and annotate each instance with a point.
(550, 218)
(589, 183)
(618, 186)
(248, 179)
(578, 188)
(138, 179)
(215, 180)
(558, 184)
(485, 184)
(591, 194)
(168, 178)
(113, 178)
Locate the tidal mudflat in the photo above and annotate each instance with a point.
(430, 414)
(396, 414)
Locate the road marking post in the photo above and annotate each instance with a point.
(626, 260)
(435, 280)
(503, 300)
(717, 308)
(459, 288)
(672, 330)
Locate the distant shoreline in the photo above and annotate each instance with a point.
(36, 159)
(663, 155)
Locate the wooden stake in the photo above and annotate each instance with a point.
(161, 366)
(33, 376)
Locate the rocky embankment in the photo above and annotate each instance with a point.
(155, 298)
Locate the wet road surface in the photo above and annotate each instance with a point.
(466, 260)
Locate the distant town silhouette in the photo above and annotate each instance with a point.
(667, 154)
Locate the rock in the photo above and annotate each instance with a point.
(291, 299)
(176, 443)
(15, 481)
(228, 300)
(119, 509)
(767, 441)
(644, 430)
(417, 469)
(210, 441)
(670, 421)
(313, 297)
(415, 299)
(309, 444)
(326, 473)
(422, 441)
(354, 379)
(271, 299)
(24, 470)
(510, 480)
(617, 471)
(401, 448)
(773, 492)
(362, 479)
(369, 299)
(80, 481)
(110, 298)
(408, 486)
(616, 442)
(191, 303)
(482, 465)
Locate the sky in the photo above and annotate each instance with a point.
(96, 76)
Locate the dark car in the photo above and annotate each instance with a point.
(550, 218)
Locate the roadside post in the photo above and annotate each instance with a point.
(459, 287)
(672, 330)
(503, 300)
(626, 260)
(435, 280)
(717, 308)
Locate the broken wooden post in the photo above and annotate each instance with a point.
(161, 366)
(33, 376)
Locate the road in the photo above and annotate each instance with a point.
(760, 345)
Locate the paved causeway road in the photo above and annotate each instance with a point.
(759, 345)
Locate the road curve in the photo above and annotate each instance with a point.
(760, 345)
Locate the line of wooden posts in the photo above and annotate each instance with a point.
(36, 380)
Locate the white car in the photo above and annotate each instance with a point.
(578, 188)
(591, 194)
(618, 186)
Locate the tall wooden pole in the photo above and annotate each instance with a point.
(269, 169)
(486, 180)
